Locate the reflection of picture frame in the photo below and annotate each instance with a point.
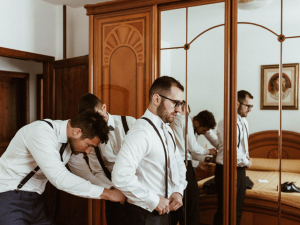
(269, 97)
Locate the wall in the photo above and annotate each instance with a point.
(256, 47)
(77, 32)
(32, 26)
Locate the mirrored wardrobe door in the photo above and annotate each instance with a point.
(192, 51)
(289, 95)
(258, 125)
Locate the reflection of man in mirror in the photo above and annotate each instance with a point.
(244, 106)
(205, 121)
(273, 86)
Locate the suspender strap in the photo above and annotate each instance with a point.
(238, 145)
(106, 171)
(173, 141)
(125, 125)
(166, 160)
(31, 174)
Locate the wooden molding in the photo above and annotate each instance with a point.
(113, 6)
(80, 60)
(17, 54)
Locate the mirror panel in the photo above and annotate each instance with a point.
(205, 78)
(258, 51)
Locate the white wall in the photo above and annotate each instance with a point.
(77, 32)
(31, 25)
(256, 47)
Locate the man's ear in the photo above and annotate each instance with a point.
(156, 99)
(104, 108)
(196, 123)
(76, 132)
(238, 104)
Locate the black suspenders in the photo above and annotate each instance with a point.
(166, 160)
(25, 179)
(125, 125)
(98, 153)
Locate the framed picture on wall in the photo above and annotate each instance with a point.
(269, 94)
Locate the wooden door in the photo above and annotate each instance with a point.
(14, 101)
(70, 81)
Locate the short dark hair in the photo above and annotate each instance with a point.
(91, 124)
(162, 85)
(88, 102)
(206, 119)
(242, 95)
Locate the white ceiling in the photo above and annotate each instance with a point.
(75, 3)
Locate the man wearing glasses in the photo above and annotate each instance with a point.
(244, 106)
(149, 169)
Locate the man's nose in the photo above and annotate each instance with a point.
(179, 109)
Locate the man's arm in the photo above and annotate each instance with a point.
(79, 167)
(212, 138)
(194, 147)
(42, 144)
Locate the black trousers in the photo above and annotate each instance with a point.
(140, 216)
(23, 208)
(241, 191)
(192, 201)
(116, 213)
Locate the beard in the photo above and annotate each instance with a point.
(163, 114)
(72, 141)
(241, 112)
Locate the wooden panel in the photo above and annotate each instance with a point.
(122, 60)
(264, 144)
(70, 81)
(14, 103)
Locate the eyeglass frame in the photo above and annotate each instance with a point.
(177, 103)
(248, 106)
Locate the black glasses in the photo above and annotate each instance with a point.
(248, 106)
(177, 103)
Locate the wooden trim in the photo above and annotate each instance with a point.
(120, 5)
(230, 113)
(64, 31)
(39, 96)
(91, 54)
(13, 74)
(47, 72)
(81, 60)
(187, 3)
(12, 53)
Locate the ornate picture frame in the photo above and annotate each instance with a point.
(269, 95)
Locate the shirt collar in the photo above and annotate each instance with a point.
(62, 132)
(154, 118)
(111, 121)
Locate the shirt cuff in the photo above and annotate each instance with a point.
(243, 162)
(152, 202)
(180, 188)
(96, 191)
(207, 152)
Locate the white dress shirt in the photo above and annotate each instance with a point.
(242, 142)
(139, 170)
(108, 151)
(39, 144)
(195, 150)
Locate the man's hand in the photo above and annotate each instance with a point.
(206, 166)
(212, 151)
(163, 206)
(113, 195)
(250, 163)
(175, 201)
